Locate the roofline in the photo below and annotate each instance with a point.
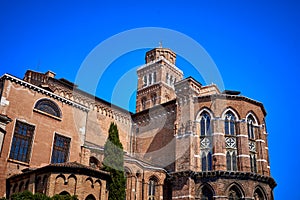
(240, 97)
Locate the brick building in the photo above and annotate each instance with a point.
(185, 141)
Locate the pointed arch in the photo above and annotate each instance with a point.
(252, 115)
(232, 110)
(259, 193)
(206, 192)
(235, 192)
(204, 109)
(153, 182)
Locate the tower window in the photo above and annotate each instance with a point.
(150, 79)
(145, 81)
(60, 150)
(22, 142)
(253, 163)
(154, 77)
(206, 161)
(153, 98)
(144, 100)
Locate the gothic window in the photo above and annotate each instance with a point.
(253, 163)
(153, 98)
(145, 81)
(234, 194)
(259, 195)
(144, 103)
(168, 79)
(205, 129)
(206, 161)
(154, 77)
(151, 189)
(22, 142)
(48, 106)
(231, 160)
(150, 79)
(229, 123)
(250, 127)
(205, 194)
(60, 150)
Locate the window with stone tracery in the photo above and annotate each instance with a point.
(252, 144)
(205, 141)
(230, 141)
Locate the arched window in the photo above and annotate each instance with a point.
(144, 100)
(145, 81)
(253, 162)
(90, 197)
(231, 161)
(153, 98)
(235, 193)
(150, 79)
(205, 129)
(151, 189)
(48, 106)
(94, 162)
(259, 195)
(229, 123)
(206, 193)
(250, 127)
(154, 77)
(206, 161)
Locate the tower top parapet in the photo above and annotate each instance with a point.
(155, 53)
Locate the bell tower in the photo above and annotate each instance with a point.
(156, 78)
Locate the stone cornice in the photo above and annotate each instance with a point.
(226, 175)
(233, 97)
(43, 91)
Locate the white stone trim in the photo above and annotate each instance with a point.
(243, 156)
(219, 154)
(197, 156)
(260, 140)
(267, 148)
(268, 167)
(41, 90)
(241, 135)
(261, 160)
(184, 196)
(222, 134)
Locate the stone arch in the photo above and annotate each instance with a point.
(235, 113)
(205, 191)
(235, 191)
(254, 116)
(203, 109)
(259, 193)
(64, 193)
(90, 197)
(94, 162)
(90, 181)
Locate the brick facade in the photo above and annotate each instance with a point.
(185, 141)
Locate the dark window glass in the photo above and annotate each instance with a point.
(205, 129)
(151, 189)
(206, 193)
(48, 106)
(209, 161)
(144, 103)
(204, 162)
(229, 123)
(234, 161)
(61, 147)
(22, 141)
(250, 127)
(228, 161)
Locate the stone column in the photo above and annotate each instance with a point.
(218, 144)
(243, 147)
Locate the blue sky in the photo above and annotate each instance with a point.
(254, 44)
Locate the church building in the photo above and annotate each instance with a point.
(185, 141)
